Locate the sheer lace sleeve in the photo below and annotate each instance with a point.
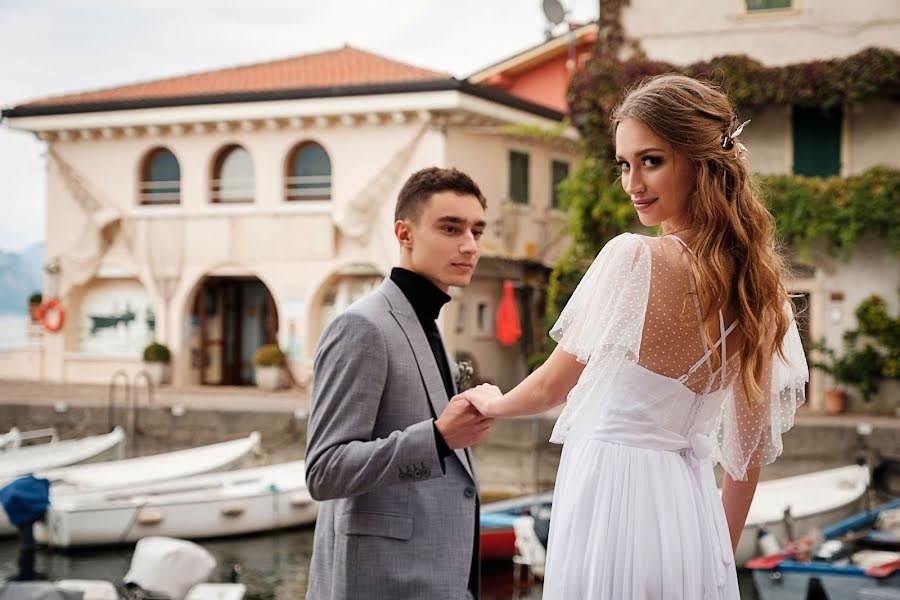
(749, 434)
(603, 321)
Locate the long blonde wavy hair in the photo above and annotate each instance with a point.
(737, 264)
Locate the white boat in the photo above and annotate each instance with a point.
(815, 500)
(142, 470)
(41, 457)
(148, 469)
(205, 506)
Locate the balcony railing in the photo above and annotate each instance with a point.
(160, 192)
(308, 187)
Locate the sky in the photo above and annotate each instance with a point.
(51, 47)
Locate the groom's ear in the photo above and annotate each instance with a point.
(403, 233)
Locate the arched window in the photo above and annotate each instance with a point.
(232, 176)
(160, 178)
(308, 173)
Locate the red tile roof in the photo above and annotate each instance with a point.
(342, 67)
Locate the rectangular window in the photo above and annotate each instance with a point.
(755, 5)
(817, 141)
(559, 170)
(481, 318)
(518, 177)
(461, 318)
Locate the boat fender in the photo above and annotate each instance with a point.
(149, 517)
(767, 543)
(232, 509)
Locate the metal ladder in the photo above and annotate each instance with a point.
(131, 389)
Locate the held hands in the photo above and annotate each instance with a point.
(463, 422)
(481, 397)
(461, 425)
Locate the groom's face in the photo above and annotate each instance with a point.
(444, 243)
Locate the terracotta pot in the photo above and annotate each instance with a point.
(835, 401)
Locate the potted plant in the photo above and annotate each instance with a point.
(270, 363)
(156, 363)
(860, 368)
(825, 359)
(34, 303)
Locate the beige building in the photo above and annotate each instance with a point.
(220, 211)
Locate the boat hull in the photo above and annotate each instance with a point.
(243, 504)
(782, 585)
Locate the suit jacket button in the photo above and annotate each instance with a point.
(470, 492)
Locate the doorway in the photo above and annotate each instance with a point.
(231, 318)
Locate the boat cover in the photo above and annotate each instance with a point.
(25, 499)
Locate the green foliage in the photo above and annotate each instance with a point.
(35, 298)
(857, 367)
(536, 132)
(837, 211)
(875, 323)
(157, 353)
(269, 355)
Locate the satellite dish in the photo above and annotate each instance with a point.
(554, 11)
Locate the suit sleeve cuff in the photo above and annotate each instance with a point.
(425, 461)
(442, 448)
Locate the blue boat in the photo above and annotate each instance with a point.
(830, 572)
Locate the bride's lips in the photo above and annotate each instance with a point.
(643, 204)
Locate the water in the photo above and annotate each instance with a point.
(272, 566)
(13, 331)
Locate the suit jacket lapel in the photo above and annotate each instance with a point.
(406, 317)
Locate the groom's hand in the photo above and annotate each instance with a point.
(461, 425)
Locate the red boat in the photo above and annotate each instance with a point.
(498, 538)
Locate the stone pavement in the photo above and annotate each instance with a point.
(248, 398)
(225, 398)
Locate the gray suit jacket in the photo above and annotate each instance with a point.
(393, 523)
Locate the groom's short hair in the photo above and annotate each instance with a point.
(421, 185)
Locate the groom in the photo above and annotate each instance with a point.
(387, 453)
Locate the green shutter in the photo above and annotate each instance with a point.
(817, 141)
(518, 177)
(767, 4)
(559, 171)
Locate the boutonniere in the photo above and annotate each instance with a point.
(462, 371)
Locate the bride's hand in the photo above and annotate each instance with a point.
(481, 397)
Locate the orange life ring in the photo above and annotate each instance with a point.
(45, 312)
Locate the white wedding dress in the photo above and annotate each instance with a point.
(636, 512)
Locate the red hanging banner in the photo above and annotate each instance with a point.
(509, 329)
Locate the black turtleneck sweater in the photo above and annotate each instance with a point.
(427, 301)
